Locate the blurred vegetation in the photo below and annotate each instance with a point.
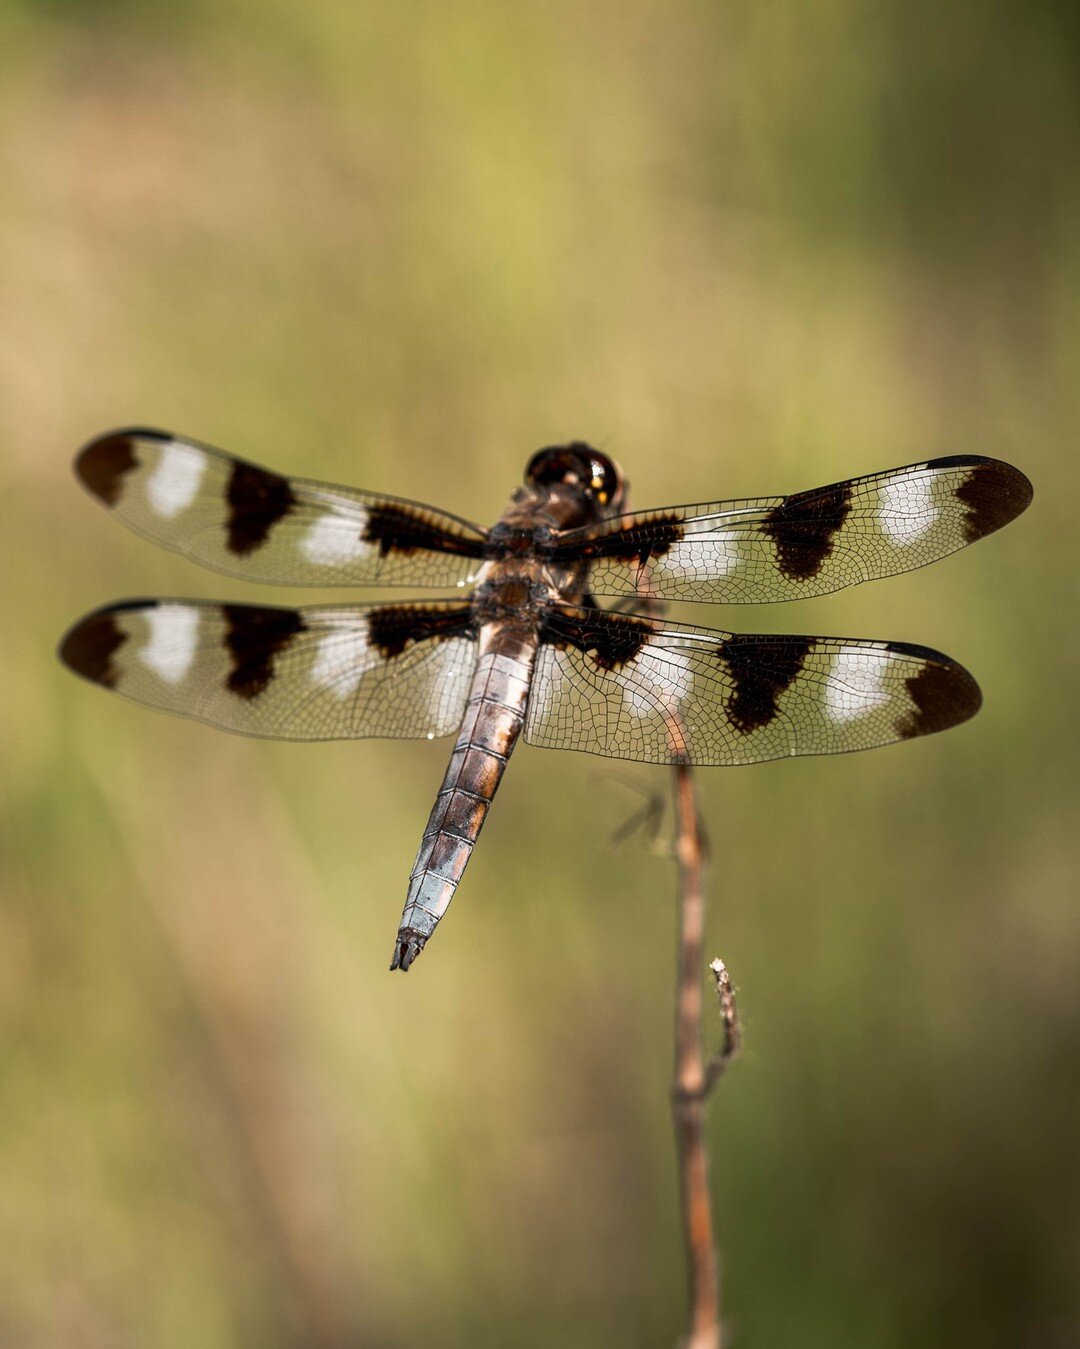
(747, 249)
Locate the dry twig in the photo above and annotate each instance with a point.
(694, 1078)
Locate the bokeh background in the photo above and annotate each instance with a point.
(746, 248)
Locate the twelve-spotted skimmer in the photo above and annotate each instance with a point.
(528, 650)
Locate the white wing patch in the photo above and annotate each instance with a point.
(338, 536)
(855, 685)
(657, 680)
(341, 661)
(700, 559)
(908, 509)
(174, 480)
(173, 641)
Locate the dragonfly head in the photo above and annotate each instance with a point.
(580, 467)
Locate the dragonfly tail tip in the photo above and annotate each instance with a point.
(409, 945)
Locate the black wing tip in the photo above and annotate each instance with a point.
(88, 646)
(943, 693)
(102, 462)
(408, 946)
(995, 492)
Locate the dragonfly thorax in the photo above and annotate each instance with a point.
(509, 595)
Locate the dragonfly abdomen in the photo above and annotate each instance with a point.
(494, 716)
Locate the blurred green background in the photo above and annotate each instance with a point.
(746, 248)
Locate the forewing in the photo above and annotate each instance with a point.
(786, 548)
(629, 688)
(248, 522)
(331, 672)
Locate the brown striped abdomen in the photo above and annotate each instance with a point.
(494, 716)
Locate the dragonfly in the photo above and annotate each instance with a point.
(528, 652)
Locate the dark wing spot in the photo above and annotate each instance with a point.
(254, 637)
(639, 543)
(760, 667)
(636, 543)
(102, 465)
(257, 499)
(804, 528)
(400, 528)
(994, 493)
(610, 640)
(942, 693)
(89, 647)
(391, 627)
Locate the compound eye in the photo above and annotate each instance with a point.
(576, 464)
(551, 465)
(604, 479)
